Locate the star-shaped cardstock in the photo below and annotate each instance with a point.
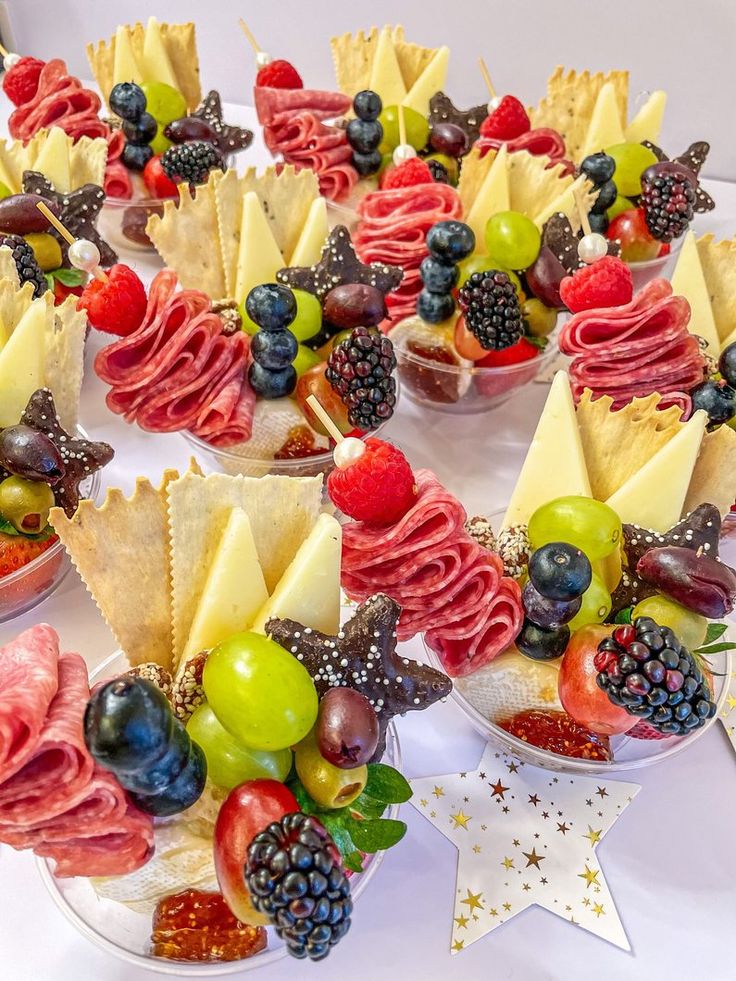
(230, 139)
(337, 266)
(363, 656)
(535, 844)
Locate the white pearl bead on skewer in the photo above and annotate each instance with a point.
(402, 153)
(84, 254)
(263, 58)
(10, 60)
(347, 452)
(592, 247)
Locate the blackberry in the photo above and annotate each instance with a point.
(24, 257)
(191, 163)
(646, 670)
(668, 197)
(294, 875)
(360, 370)
(491, 306)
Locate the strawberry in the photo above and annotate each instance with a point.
(156, 181)
(20, 83)
(407, 174)
(279, 74)
(378, 487)
(117, 306)
(508, 121)
(17, 551)
(523, 350)
(607, 282)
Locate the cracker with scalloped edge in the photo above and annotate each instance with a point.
(569, 102)
(617, 444)
(14, 301)
(718, 260)
(282, 512)
(8, 268)
(472, 174)
(87, 162)
(532, 184)
(64, 358)
(714, 475)
(412, 58)
(352, 56)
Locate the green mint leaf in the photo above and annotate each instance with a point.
(353, 861)
(368, 807)
(714, 631)
(623, 616)
(717, 648)
(376, 835)
(67, 277)
(341, 836)
(386, 784)
(49, 277)
(7, 529)
(539, 342)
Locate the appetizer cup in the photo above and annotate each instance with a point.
(123, 222)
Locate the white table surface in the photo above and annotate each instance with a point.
(669, 860)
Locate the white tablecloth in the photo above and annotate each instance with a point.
(669, 861)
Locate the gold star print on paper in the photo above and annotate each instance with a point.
(492, 887)
(598, 909)
(458, 945)
(423, 802)
(728, 712)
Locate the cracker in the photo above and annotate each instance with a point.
(228, 191)
(412, 58)
(718, 260)
(472, 174)
(181, 47)
(282, 511)
(14, 302)
(714, 475)
(531, 184)
(617, 444)
(101, 57)
(352, 56)
(566, 202)
(64, 366)
(87, 162)
(8, 268)
(286, 198)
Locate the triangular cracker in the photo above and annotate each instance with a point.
(532, 184)
(714, 477)
(472, 174)
(352, 56)
(84, 161)
(412, 58)
(65, 359)
(8, 268)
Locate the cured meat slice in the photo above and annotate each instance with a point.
(29, 679)
(542, 142)
(635, 349)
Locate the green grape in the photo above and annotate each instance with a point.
(228, 762)
(540, 320)
(159, 144)
(481, 263)
(308, 320)
(259, 692)
(417, 128)
(632, 159)
(595, 607)
(689, 627)
(305, 359)
(588, 524)
(512, 240)
(164, 102)
(618, 207)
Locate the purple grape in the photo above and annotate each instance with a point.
(346, 728)
(448, 138)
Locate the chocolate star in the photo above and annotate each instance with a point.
(443, 110)
(363, 656)
(630, 591)
(78, 211)
(337, 266)
(693, 158)
(558, 236)
(229, 138)
(82, 457)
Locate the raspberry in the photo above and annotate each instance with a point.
(117, 306)
(507, 122)
(607, 282)
(21, 81)
(407, 174)
(279, 74)
(378, 488)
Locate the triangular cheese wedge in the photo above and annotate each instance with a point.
(309, 590)
(554, 464)
(386, 78)
(4, 335)
(647, 123)
(688, 280)
(53, 159)
(156, 65)
(259, 257)
(431, 80)
(655, 495)
(308, 249)
(234, 591)
(125, 67)
(492, 197)
(604, 129)
(22, 363)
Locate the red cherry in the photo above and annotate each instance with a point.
(630, 229)
(466, 343)
(156, 181)
(523, 350)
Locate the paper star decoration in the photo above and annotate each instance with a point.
(511, 859)
(229, 138)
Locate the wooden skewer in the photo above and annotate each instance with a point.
(323, 417)
(67, 235)
(487, 77)
(3, 50)
(251, 38)
(582, 213)
(402, 126)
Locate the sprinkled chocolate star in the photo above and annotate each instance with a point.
(443, 110)
(82, 457)
(363, 656)
(78, 211)
(693, 158)
(339, 265)
(558, 236)
(229, 138)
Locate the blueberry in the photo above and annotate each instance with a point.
(271, 306)
(142, 131)
(598, 222)
(274, 349)
(367, 163)
(435, 307)
(437, 276)
(127, 100)
(185, 790)
(718, 400)
(157, 776)
(450, 240)
(606, 196)
(272, 384)
(367, 105)
(540, 644)
(599, 167)
(135, 156)
(364, 136)
(560, 571)
(727, 364)
(547, 613)
(127, 724)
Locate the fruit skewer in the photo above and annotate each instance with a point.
(83, 254)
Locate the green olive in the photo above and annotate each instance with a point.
(26, 504)
(327, 785)
(46, 250)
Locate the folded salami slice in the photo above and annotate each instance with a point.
(29, 679)
(633, 350)
(542, 142)
(60, 100)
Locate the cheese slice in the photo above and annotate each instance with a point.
(259, 257)
(564, 202)
(431, 80)
(554, 464)
(22, 362)
(492, 197)
(386, 78)
(309, 590)
(53, 159)
(688, 280)
(125, 67)
(655, 495)
(234, 590)
(308, 249)
(156, 65)
(604, 128)
(4, 335)
(647, 123)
